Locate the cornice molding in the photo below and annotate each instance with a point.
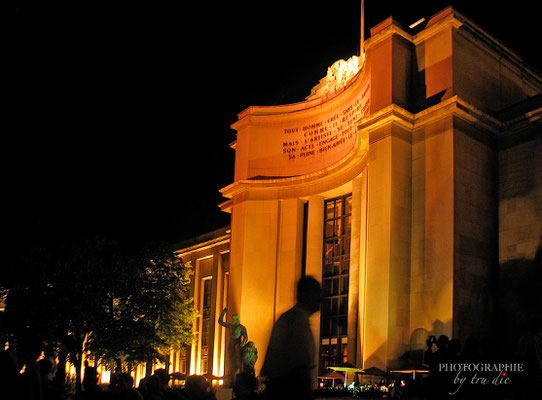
(349, 167)
(203, 246)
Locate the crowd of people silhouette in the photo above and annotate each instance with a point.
(29, 372)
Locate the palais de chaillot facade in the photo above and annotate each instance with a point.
(406, 183)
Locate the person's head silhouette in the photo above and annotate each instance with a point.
(309, 294)
(442, 341)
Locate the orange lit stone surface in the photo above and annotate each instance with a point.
(299, 139)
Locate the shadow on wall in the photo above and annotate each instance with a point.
(413, 358)
(518, 301)
(518, 298)
(420, 99)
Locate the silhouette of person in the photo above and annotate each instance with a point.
(90, 384)
(396, 391)
(29, 348)
(123, 389)
(238, 339)
(290, 356)
(245, 386)
(471, 350)
(437, 380)
(454, 348)
(48, 389)
(197, 388)
(9, 373)
(152, 388)
(49, 354)
(530, 351)
(434, 358)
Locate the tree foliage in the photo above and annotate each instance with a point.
(143, 324)
(123, 306)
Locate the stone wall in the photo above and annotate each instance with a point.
(520, 200)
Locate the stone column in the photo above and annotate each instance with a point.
(362, 267)
(353, 285)
(217, 305)
(195, 348)
(213, 315)
(388, 251)
(290, 250)
(253, 268)
(315, 244)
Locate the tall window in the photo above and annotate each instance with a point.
(205, 325)
(336, 262)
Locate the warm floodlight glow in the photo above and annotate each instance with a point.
(342, 71)
(338, 75)
(105, 377)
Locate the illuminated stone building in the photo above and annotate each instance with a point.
(209, 254)
(397, 184)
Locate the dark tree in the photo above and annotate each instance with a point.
(148, 311)
(121, 306)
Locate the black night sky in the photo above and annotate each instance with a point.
(117, 115)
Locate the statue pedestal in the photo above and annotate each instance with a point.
(224, 394)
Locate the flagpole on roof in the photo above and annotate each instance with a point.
(362, 29)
